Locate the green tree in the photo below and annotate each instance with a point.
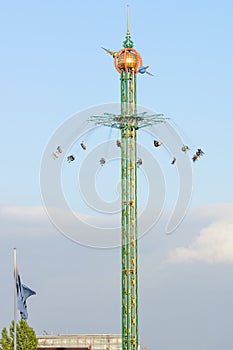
(25, 337)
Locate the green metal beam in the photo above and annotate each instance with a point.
(129, 128)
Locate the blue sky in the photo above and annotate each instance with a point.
(52, 67)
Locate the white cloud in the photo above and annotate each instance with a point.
(24, 221)
(22, 212)
(33, 221)
(213, 223)
(217, 211)
(213, 245)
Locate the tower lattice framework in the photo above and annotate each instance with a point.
(128, 63)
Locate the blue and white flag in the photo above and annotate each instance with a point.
(23, 292)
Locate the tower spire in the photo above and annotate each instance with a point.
(128, 43)
(128, 21)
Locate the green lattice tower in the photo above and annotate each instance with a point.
(128, 63)
(129, 202)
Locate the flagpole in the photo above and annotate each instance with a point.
(15, 299)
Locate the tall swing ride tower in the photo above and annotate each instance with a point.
(128, 64)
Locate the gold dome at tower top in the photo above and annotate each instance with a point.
(127, 59)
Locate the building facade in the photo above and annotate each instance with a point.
(80, 342)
